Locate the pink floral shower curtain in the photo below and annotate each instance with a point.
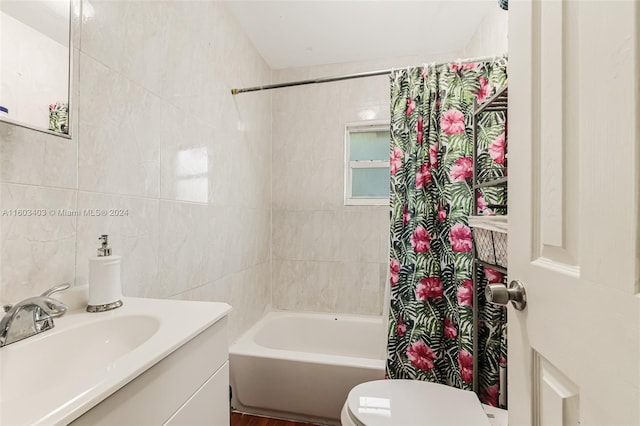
(430, 335)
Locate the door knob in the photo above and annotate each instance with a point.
(499, 294)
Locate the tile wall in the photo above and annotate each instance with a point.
(236, 199)
(327, 257)
(159, 136)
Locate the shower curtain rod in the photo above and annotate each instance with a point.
(351, 76)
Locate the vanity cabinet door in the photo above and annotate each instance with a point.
(158, 393)
(209, 405)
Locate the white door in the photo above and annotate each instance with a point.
(574, 178)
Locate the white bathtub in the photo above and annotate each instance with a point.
(302, 366)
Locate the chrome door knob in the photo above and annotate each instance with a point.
(499, 294)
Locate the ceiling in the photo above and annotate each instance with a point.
(298, 33)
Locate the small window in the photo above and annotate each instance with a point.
(367, 164)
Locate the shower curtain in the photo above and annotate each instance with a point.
(430, 327)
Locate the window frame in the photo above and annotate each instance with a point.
(362, 127)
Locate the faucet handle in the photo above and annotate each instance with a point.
(7, 308)
(56, 289)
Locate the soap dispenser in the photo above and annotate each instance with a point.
(105, 289)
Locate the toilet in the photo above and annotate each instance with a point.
(416, 403)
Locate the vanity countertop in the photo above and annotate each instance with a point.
(56, 376)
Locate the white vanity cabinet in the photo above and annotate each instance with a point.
(190, 386)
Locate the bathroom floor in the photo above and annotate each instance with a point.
(240, 419)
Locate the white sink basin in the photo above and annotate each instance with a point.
(56, 376)
(91, 348)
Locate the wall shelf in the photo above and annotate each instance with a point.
(497, 102)
(491, 241)
(492, 182)
(498, 268)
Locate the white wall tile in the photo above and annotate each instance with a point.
(145, 34)
(186, 156)
(187, 78)
(304, 286)
(183, 254)
(120, 131)
(251, 295)
(152, 80)
(102, 30)
(360, 286)
(31, 157)
(38, 250)
(248, 291)
(22, 157)
(326, 255)
(337, 287)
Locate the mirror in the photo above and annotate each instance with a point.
(35, 51)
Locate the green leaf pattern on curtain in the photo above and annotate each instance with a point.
(430, 328)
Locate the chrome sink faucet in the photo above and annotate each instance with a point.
(31, 316)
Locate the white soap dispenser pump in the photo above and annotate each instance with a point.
(105, 289)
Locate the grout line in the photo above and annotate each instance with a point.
(210, 282)
(271, 263)
(137, 197)
(75, 262)
(76, 129)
